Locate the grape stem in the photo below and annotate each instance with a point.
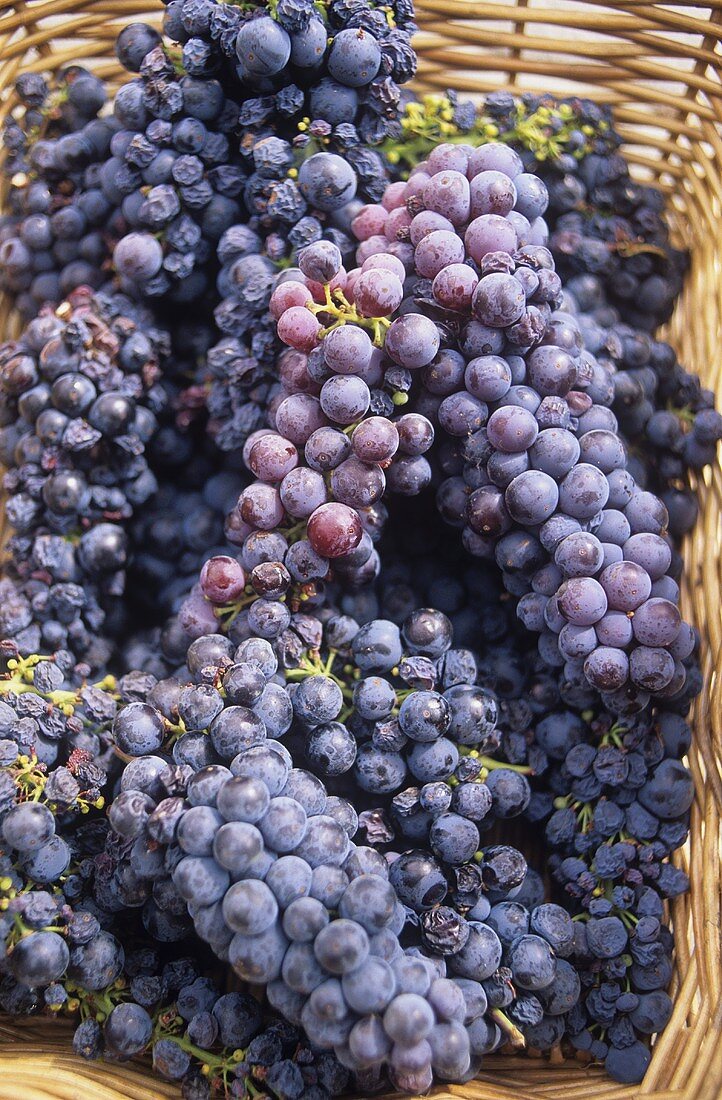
(511, 1032)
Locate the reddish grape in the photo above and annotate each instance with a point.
(298, 328)
(334, 529)
(272, 457)
(287, 295)
(375, 439)
(222, 579)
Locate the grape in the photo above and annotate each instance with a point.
(604, 450)
(298, 328)
(613, 527)
(408, 1019)
(454, 285)
(249, 907)
(645, 512)
(651, 668)
(258, 958)
(512, 429)
(376, 439)
(582, 601)
(39, 959)
(236, 845)
(650, 552)
(348, 349)
(357, 484)
(626, 584)
(555, 451)
(412, 341)
(481, 954)
(447, 193)
(607, 668)
(263, 47)
(287, 295)
(492, 192)
(461, 414)
(326, 448)
(532, 962)
(531, 497)
(272, 457)
(345, 399)
(341, 946)
(222, 579)
(28, 827)
(302, 491)
(579, 555)
(498, 300)
(333, 530)
(583, 492)
(355, 58)
(377, 293)
(326, 180)
(437, 251)
(495, 157)
(550, 370)
(489, 233)
(260, 506)
(656, 622)
(138, 256)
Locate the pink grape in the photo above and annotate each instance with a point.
(298, 328)
(387, 263)
(376, 439)
(415, 184)
(272, 457)
(298, 416)
(448, 157)
(260, 506)
(251, 441)
(454, 286)
(287, 295)
(369, 221)
(492, 193)
(334, 530)
(428, 221)
(448, 194)
(222, 579)
(436, 251)
(372, 246)
(489, 233)
(377, 293)
(394, 195)
(495, 157)
(397, 223)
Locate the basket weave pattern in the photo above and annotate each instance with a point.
(661, 71)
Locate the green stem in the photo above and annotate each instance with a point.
(510, 1030)
(490, 764)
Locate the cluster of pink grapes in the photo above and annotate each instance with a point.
(339, 436)
(456, 312)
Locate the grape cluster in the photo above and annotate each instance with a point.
(261, 856)
(55, 234)
(656, 401)
(603, 223)
(542, 483)
(82, 395)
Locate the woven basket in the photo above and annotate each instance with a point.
(660, 70)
